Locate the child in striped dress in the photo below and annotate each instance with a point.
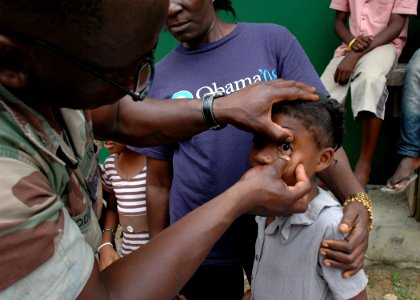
(124, 184)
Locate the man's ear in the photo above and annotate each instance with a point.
(12, 63)
(325, 157)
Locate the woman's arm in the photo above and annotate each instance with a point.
(107, 253)
(346, 254)
(159, 179)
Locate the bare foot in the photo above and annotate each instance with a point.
(362, 172)
(405, 168)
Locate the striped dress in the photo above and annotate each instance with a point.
(131, 202)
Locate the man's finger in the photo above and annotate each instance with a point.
(275, 132)
(277, 167)
(303, 183)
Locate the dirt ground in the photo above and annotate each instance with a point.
(390, 283)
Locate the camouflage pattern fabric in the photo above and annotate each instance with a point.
(45, 177)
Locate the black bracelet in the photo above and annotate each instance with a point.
(207, 110)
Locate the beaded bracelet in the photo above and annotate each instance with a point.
(365, 200)
(103, 245)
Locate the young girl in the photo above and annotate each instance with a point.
(124, 183)
(287, 263)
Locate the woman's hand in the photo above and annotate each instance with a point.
(349, 254)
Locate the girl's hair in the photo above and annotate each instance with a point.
(325, 118)
(225, 5)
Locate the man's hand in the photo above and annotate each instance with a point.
(349, 254)
(250, 108)
(346, 67)
(267, 193)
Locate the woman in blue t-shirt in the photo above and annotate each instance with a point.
(216, 56)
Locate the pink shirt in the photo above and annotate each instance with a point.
(371, 17)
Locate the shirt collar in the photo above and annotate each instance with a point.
(284, 224)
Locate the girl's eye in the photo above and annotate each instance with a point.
(285, 148)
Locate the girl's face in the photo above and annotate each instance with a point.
(114, 147)
(191, 21)
(299, 148)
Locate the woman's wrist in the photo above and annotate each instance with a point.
(110, 230)
(103, 245)
(365, 200)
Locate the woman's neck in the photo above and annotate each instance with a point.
(217, 30)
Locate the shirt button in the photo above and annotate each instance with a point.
(130, 228)
(256, 257)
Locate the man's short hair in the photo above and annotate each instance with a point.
(84, 17)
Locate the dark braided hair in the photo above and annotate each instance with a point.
(225, 5)
(325, 118)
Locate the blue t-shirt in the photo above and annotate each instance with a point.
(209, 163)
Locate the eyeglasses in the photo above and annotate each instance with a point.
(143, 79)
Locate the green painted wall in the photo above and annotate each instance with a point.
(312, 23)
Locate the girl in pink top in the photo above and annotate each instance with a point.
(370, 48)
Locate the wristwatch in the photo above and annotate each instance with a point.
(207, 110)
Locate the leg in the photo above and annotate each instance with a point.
(337, 91)
(369, 95)
(371, 127)
(408, 145)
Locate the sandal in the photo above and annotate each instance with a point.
(409, 179)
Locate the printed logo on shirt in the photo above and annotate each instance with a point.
(182, 94)
(264, 75)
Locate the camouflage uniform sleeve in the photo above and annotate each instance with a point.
(40, 245)
(29, 219)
